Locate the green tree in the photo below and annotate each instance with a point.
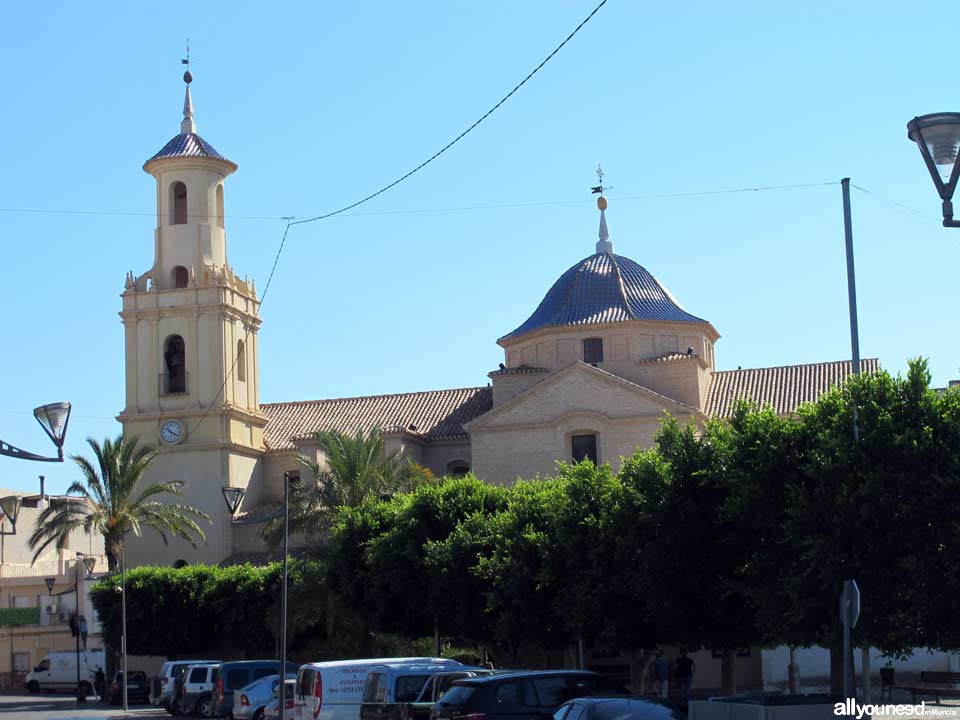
(381, 560)
(694, 551)
(877, 510)
(114, 503)
(357, 468)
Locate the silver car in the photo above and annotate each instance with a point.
(272, 711)
(250, 701)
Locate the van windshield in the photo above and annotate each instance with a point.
(408, 687)
(44, 665)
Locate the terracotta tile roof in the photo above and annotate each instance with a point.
(784, 388)
(435, 414)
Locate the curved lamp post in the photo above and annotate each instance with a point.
(233, 496)
(54, 419)
(938, 137)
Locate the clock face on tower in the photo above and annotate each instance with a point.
(171, 432)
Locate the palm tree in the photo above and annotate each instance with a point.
(357, 468)
(110, 504)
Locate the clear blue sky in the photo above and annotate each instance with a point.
(322, 103)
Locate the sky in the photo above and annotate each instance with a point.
(321, 104)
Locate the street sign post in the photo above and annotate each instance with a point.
(849, 614)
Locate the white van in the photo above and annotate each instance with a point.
(409, 690)
(334, 690)
(58, 671)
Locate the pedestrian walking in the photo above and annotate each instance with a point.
(684, 675)
(100, 683)
(661, 675)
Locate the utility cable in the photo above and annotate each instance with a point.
(917, 216)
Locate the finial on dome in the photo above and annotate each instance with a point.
(187, 125)
(603, 245)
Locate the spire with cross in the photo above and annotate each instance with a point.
(603, 244)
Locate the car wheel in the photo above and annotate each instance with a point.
(33, 686)
(86, 688)
(204, 707)
(258, 715)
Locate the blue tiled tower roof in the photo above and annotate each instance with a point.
(188, 145)
(604, 288)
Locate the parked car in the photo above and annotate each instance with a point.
(272, 710)
(407, 691)
(251, 700)
(595, 708)
(334, 690)
(237, 675)
(170, 672)
(194, 691)
(527, 695)
(138, 688)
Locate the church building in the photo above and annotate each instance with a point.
(589, 374)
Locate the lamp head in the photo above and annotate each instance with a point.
(10, 506)
(233, 496)
(50, 582)
(54, 419)
(89, 562)
(938, 137)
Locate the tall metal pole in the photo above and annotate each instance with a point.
(123, 620)
(852, 294)
(282, 687)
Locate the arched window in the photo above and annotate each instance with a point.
(584, 447)
(220, 205)
(181, 277)
(241, 362)
(178, 203)
(458, 468)
(174, 357)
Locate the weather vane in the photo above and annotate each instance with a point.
(187, 76)
(600, 188)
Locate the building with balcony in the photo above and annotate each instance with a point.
(35, 620)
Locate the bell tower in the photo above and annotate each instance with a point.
(192, 381)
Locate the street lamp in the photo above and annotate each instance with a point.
(87, 562)
(53, 418)
(233, 496)
(938, 137)
(10, 509)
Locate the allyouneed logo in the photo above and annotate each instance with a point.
(851, 708)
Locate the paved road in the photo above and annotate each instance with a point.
(64, 707)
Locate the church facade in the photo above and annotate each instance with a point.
(589, 374)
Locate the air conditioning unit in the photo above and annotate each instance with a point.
(63, 617)
(51, 609)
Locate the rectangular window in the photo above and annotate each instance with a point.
(593, 351)
(584, 447)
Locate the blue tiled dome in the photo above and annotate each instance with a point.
(604, 288)
(188, 145)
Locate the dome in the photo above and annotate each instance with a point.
(604, 288)
(187, 145)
